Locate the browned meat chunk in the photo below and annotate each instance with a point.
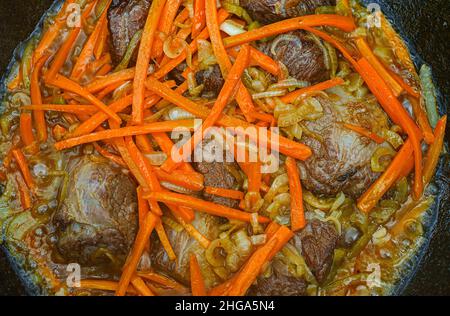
(96, 221)
(302, 56)
(212, 79)
(126, 17)
(341, 158)
(183, 245)
(269, 11)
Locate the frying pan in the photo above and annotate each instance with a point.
(424, 24)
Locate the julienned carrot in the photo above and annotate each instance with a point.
(62, 54)
(143, 60)
(96, 65)
(202, 206)
(258, 58)
(226, 193)
(197, 282)
(158, 127)
(193, 47)
(26, 128)
(25, 194)
(366, 52)
(376, 191)
(199, 20)
(143, 207)
(161, 280)
(432, 157)
(165, 242)
(398, 114)
(36, 98)
(410, 90)
(52, 32)
(23, 166)
(186, 179)
(87, 53)
(295, 189)
(103, 93)
(69, 85)
(102, 82)
(101, 41)
(365, 132)
(141, 241)
(141, 287)
(422, 120)
(291, 97)
(165, 25)
(286, 146)
(68, 108)
(191, 230)
(232, 81)
(166, 144)
(117, 159)
(103, 285)
(344, 23)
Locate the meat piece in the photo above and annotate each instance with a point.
(341, 158)
(126, 17)
(279, 283)
(96, 220)
(301, 54)
(184, 245)
(318, 241)
(269, 11)
(212, 79)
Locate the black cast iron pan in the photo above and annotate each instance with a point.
(424, 24)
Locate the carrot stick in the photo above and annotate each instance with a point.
(191, 230)
(36, 98)
(199, 20)
(165, 241)
(161, 279)
(69, 85)
(197, 282)
(165, 25)
(23, 166)
(103, 285)
(25, 194)
(202, 206)
(433, 154)
(141, 241)
(265, 62)
(186, 179)
(286, 146)
(291, 97)
(101, 41)
(157, 127)
(111, 79)
(184, 214)
(144, 55)
(366, 52)
(143, 207)
(422, 120)
(63, 54)
(398, 114)
(366, 133)
(376, 191)
(344, 23)
(231, 194)
(118, 160)
(26, 129)
(141, 287)
(144, 144)
(67, 108)
(295, 188)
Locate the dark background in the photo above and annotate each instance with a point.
(425, 23)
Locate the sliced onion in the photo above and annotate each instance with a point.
(176, 188)
(269, 94)
(375, 162)
(156, 158)
(258, 239)
(176, 114)
(231, 28)
(174, 46)
(206, 55)
(282, 38)
(289, 84)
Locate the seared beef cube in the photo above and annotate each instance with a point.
(301, 55)
(96, 221)
(212, 79)
(269, 11)
(126, 17)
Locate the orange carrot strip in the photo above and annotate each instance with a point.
(103, 285)
(118, 160)
(23, 166)
(202, 206)
(422, 120)
(410, 90)
(433, 154)
(295, 188)
(144, 144)
(25, 194)
(191, 230)
(69, 85)
(376, 191)
(197, 282)
(398, 114)
(102, 82)
(199, 20)
(144, 55)
(186, 179)
(226, 193)
(366, 52)
(286, 146)
(161, 279)
(165, 241)
(143, 207)
(103, 93)
(141, 287)
(36, 98)
(156, 127)
(344, 23)
(258, 58)
(141, 241)
(68, 108)
(59, 132)
(101, 41)
(165, 25)
(366, 133)
(291, 97)
(26, 129)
